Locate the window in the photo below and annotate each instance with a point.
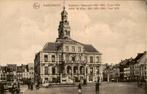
(67, 57)
(46, 71)
(46, 79)
(97, 71)
(75, 70)
(80, 58)
(86, 58)
(82, 70)
(69, 70)
(90, 78)
(60, 57)
(45, 58)
(53, 58)
(73, 48)
(91, 71)
(73, 58)
(97, 59)
(79, 49)
(66, 48)
(91, 59)
(53, 70)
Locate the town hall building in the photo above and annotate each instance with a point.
(67, 60)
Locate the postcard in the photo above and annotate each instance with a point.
(73, 47)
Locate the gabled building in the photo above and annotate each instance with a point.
(3, 73)
(142, 65)
(11, 70)
(67, 60)
(31, 70)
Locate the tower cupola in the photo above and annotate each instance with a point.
(64, 28)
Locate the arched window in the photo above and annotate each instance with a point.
(73, 58)
(68, 70)
(75, 69)
(82, 70)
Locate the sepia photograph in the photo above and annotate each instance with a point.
(73, 47)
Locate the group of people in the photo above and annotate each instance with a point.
(96, 87)
(30, 84)
(143, 84)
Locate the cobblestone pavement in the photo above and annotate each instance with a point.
(105, 88)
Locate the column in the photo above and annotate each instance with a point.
(72, 73)
(78, 69)
(72, 70)
(65, 69)
(85, 71)
(93, 73)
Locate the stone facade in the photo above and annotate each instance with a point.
(142, 63)
(66, 60)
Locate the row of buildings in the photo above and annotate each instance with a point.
(12, 71)
(132, 69)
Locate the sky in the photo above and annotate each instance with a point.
(117, 34)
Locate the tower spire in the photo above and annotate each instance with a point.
(63, 7)
(64, 28)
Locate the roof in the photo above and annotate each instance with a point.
(50, 46)
(89, 48)
(54, 46)
(139, 55)
(126, 62)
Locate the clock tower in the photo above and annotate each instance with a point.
(64, 28)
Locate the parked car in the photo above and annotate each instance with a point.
(5, 85)
(15, 87)
(9, 86)
(1, 87)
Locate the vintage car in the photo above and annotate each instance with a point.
(8, 86)
(4, 85)
(1, 86)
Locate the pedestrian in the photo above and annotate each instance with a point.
(31, 82)
(85, 82)
(37, 85)
(79, 88)
(14, 87)
(145, 88)
(97, 87)
(28, 83)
